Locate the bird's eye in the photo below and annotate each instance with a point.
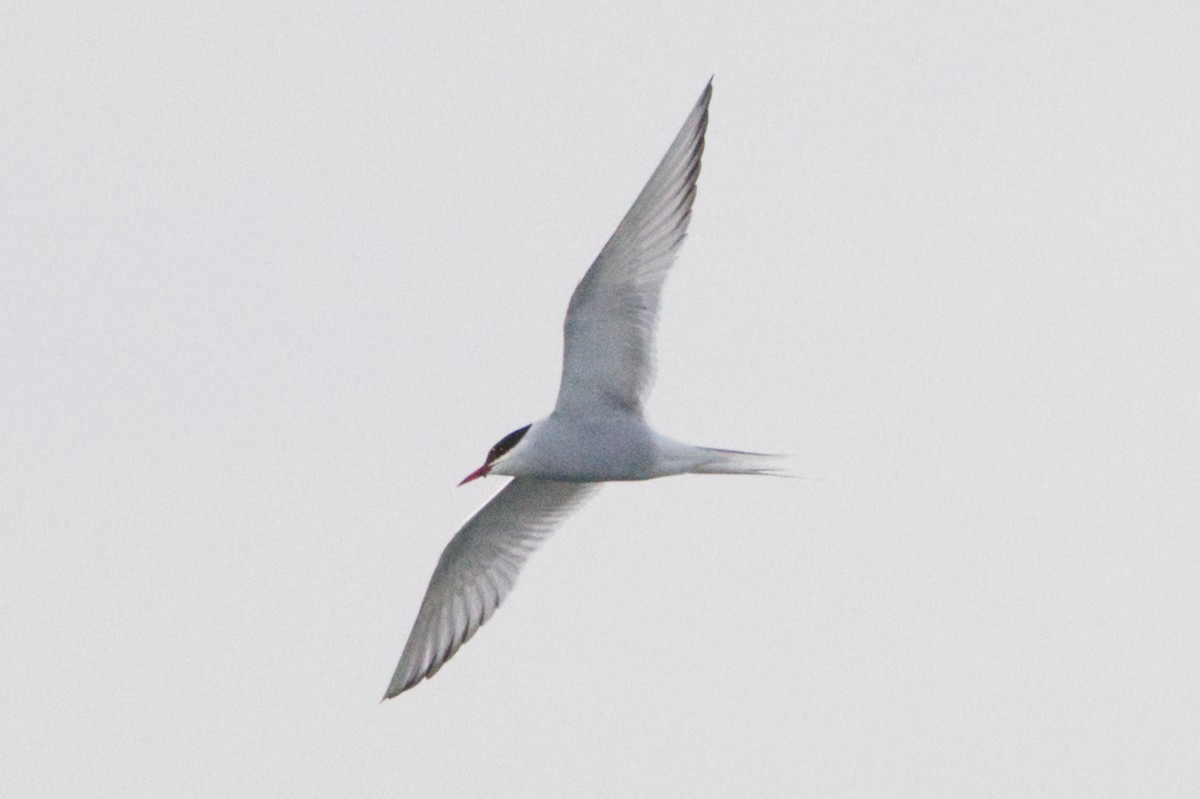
(507, 443)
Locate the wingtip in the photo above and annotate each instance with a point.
(394, 691)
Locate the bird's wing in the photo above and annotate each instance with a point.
(479, 567)
(608, 352)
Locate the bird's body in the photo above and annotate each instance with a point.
(580, 448)
(608, 446)
(597, 432)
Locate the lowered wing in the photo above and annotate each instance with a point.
(479, 567)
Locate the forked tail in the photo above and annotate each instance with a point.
(732, 461)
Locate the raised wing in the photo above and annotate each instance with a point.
(608, 352)
(479, 567)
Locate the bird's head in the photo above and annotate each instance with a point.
(497, 453)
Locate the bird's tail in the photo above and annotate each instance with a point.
(732, 461)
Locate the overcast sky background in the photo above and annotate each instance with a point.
(276, 275)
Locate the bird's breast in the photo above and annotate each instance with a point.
(589, 449)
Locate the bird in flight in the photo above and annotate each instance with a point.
(596, 432)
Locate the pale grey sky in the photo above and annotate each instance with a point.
(277, 275)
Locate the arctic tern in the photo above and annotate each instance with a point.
(596, 432)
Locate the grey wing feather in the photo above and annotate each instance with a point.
(479, 567)
(608, 353)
